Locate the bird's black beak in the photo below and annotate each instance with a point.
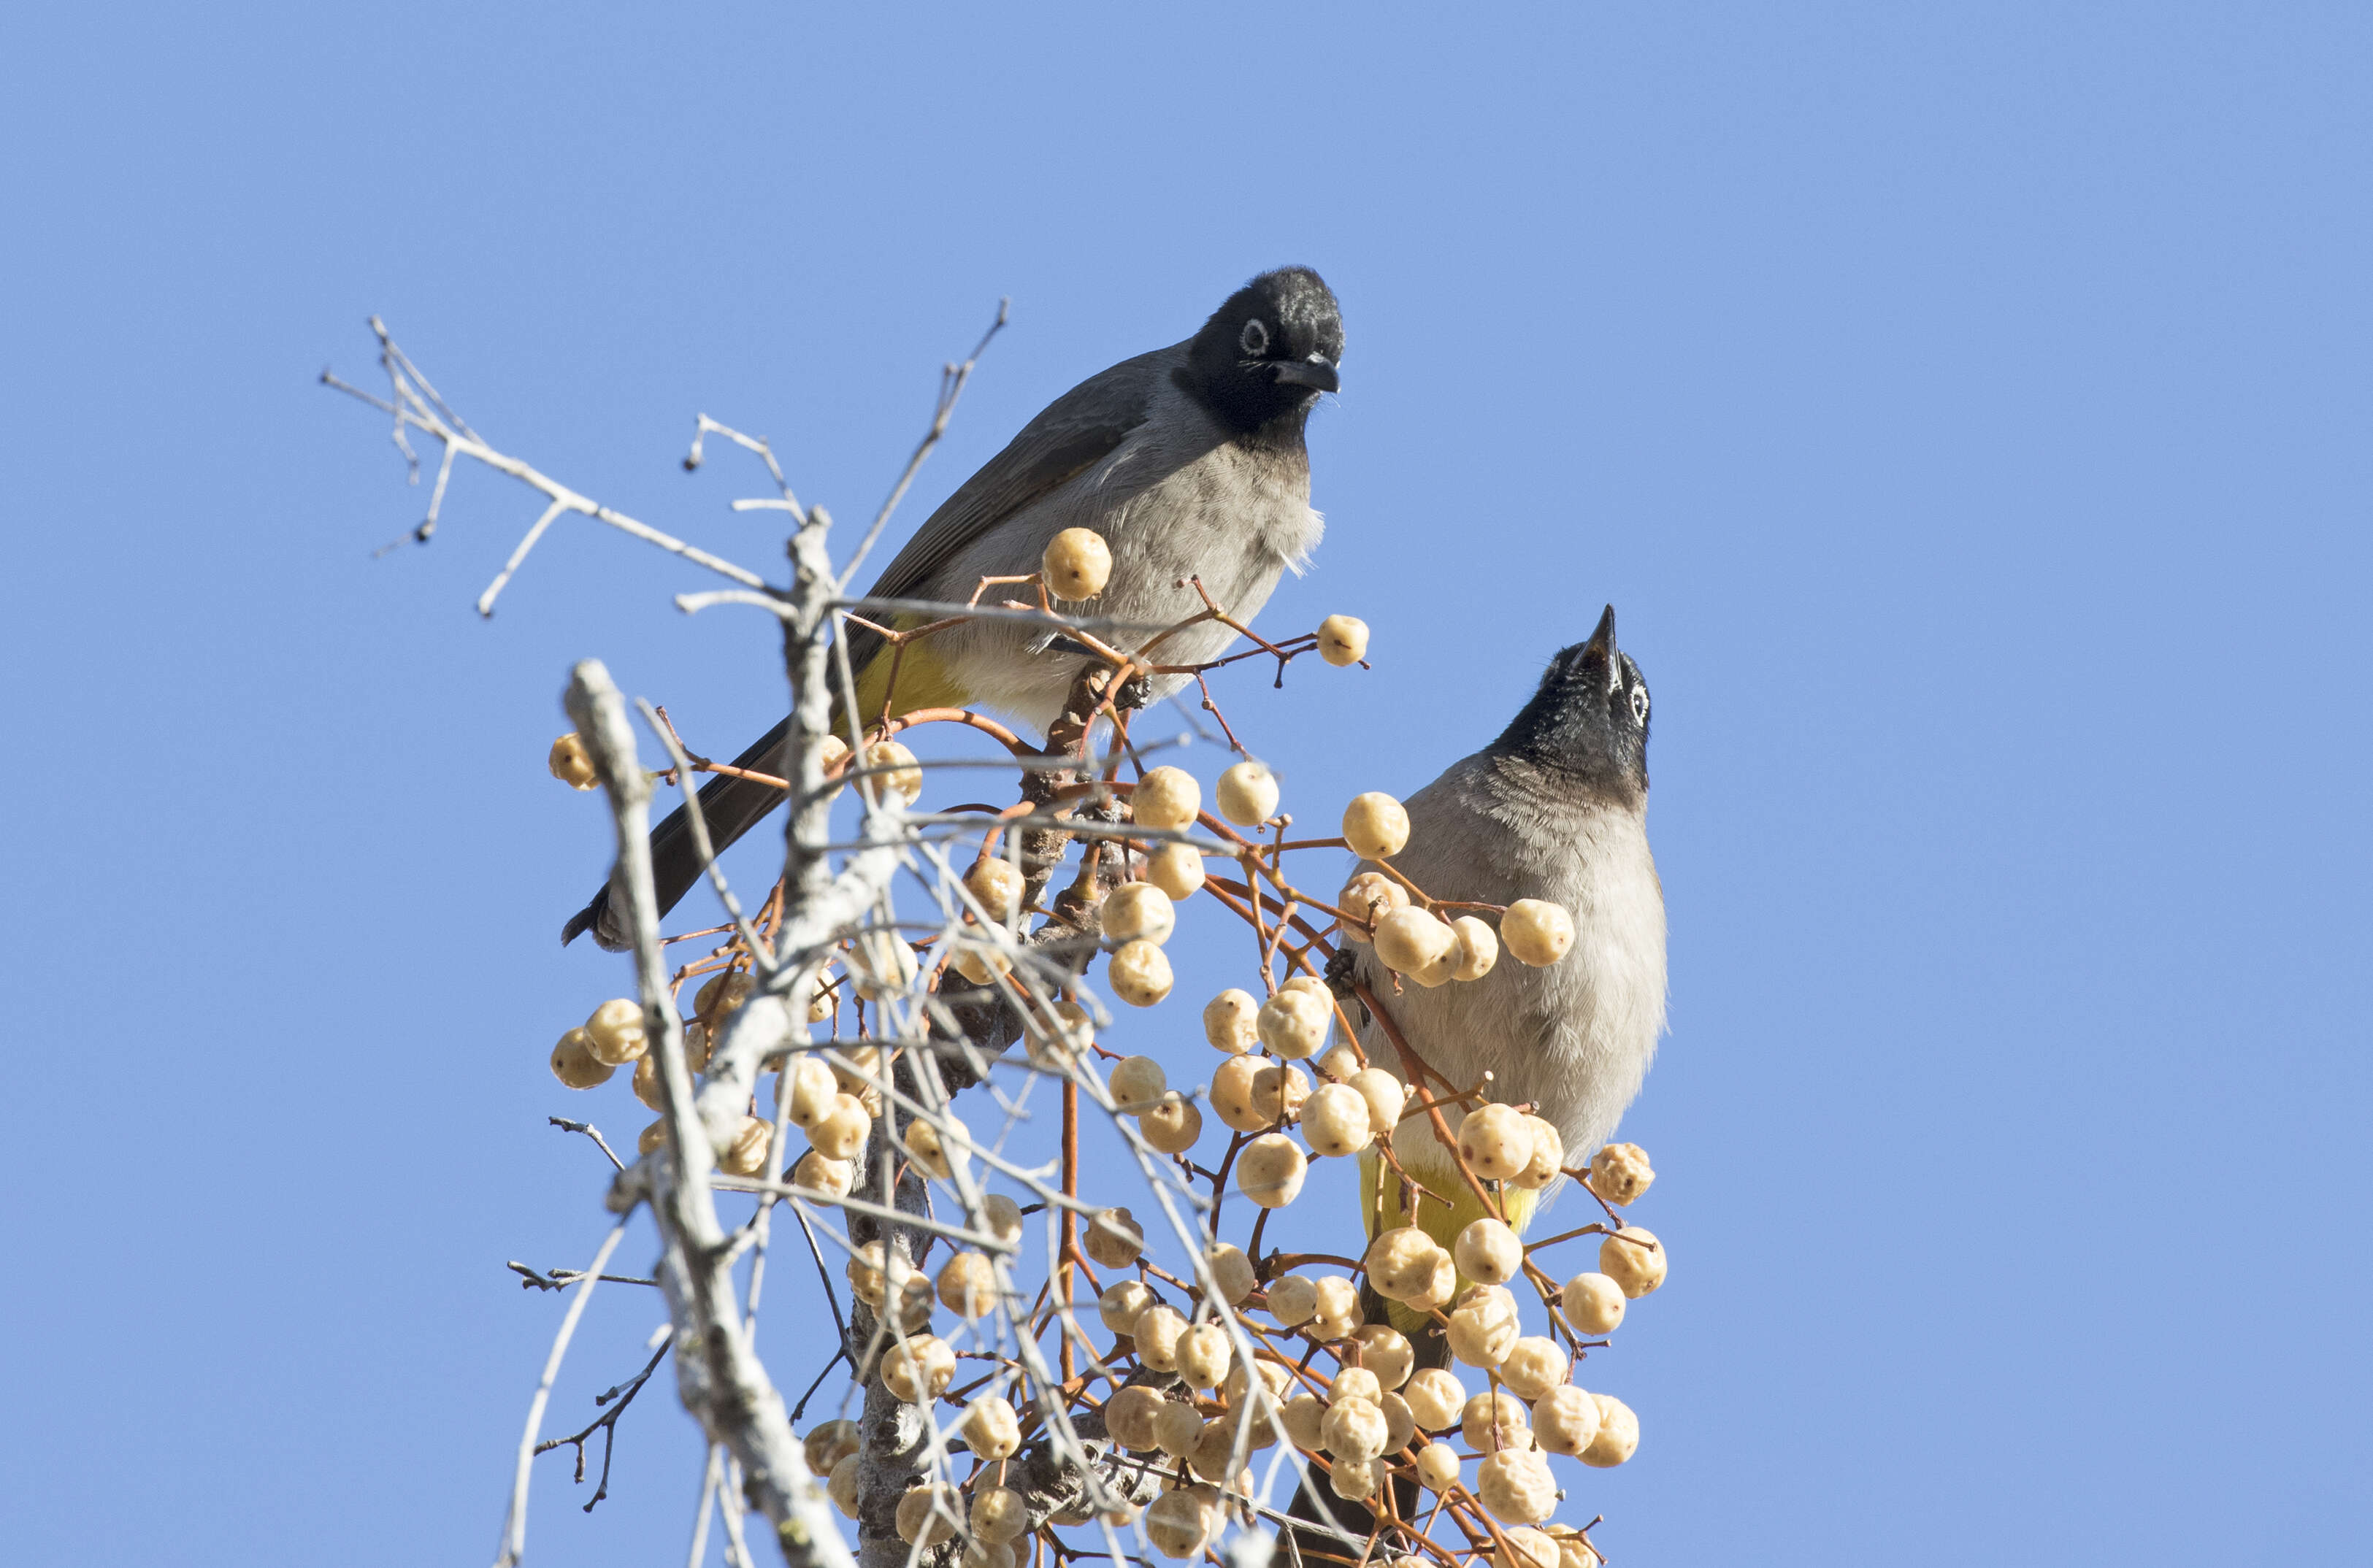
(1318, 373)
(1602, 641)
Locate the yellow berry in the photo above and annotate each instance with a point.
(842, 1485)
(615, 1032)
(1115, 1239)
(1565, 1419)
(996, 887)
(1619, 1435)
(1293, 1300)
(1138, 911)
(1375, 826)
(969, 1285)
(981, 962)
(1491, 1421)
(1342, 639)
(928, 1147)
(1399, 1424)
(896, 774)
(1271, 1170)
(811, 1090)
(571, 763)
(1001, 1216)
(652, 1138)
(573, 1064)
(928, 1514)
(1232, 1096)
(746, 1154)
(1353, 1429)
(1488, 1252)
(1496, 1141)
(1437, 1467)
(1385, 1095)
(818, 1173)
(1157, 1331)
(1165, 798)
(1400, 1262)
(999, 1515)
(1367, 899)
(1247, 795)
(1179, 1522)
(1121, 1305)
(1128, 1416)
(1356, 1481)
(1077, 564)
(1137, 1084)
(1279, 1091)
(1176, 1430)
(989, 1428)
(1139, 974)
(1232, 1273)
(1532, 1367)
(1549, 1157)
(1338, 1308)
(647, 1082)
(1203, 1352)
(1592, 1303)
(841, 1132)
(1574, 1549)
(1171, 1124)
(881, 962)
(1229, 1021)
(1436, 1398)
(1479, 948)
(1527, 1548)
(1536, 931)
(1293, 1024)
(829, 1442)
(1335, 1120)
(1484, 1326)
(1514, 1485)
(1355, 1383)
(1634, 1260)
(1177, 869)
(1620, 1173)
(1305, 1416)
(1416, 943)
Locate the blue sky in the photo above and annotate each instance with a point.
(1966, 414)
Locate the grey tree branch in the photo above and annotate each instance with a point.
(719, 1375)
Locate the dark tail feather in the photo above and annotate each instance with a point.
(730, 807)
(1317, 1505)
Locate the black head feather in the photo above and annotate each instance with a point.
(1265, 356)
(1588, 720)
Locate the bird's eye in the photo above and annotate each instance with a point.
(1639, 704)
(1256, 338)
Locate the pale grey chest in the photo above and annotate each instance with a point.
(1173, 501)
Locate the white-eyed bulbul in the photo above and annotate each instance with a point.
(1189, 461)
(1555, 808)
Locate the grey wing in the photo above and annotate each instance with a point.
(1069, 435)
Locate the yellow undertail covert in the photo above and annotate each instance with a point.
(1380, 1202)
(925, 680)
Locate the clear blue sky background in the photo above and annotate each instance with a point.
(1968, 416)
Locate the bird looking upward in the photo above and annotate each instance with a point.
(1190, 462)
(1554, 809)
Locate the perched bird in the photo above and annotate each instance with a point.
(1555, 809)
(1189, 461)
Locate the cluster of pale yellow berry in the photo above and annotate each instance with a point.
(1375, 1418)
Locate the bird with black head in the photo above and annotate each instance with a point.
(1189, 461)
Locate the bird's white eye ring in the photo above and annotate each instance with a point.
(1639, 704)
(1255, 341)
